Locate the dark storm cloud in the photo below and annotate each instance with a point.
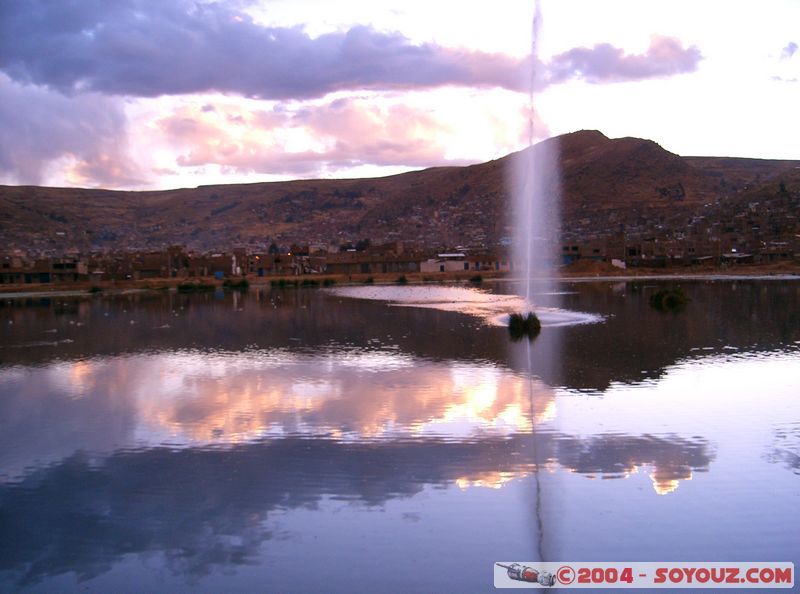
(132, 47)
(605, 63)
(147, 49)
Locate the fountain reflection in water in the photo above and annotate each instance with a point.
(536, 217)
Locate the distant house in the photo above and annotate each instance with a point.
(446, 262)
(386, 258)
(460, 262)
(371, 263)
(43, 270)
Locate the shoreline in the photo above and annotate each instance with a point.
(782, 271)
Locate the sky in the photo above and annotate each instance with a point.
(139, 94)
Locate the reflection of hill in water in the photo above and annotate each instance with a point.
(208, 507)
(638, 342)
(634, 343)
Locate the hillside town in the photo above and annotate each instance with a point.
(750, 229)
(721, 234)
(626, 203)
(749, 238)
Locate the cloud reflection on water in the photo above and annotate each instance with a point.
(186, 445)
(195, 400)
(209, 507)
(189, 454)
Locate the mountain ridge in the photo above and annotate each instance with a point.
(607, 185)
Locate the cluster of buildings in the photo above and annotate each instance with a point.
(751, 233)
(742, 231)
(177, 262)
(666, 251)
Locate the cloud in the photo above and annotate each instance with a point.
(605, 63)
(41, 127)
(147, 49)
(65, 66)
(309, 139)
(790, 72)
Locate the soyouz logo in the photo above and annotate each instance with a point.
(717, 575)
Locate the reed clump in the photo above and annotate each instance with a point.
(195, 287)
(240, 285)
(521, 326)
(669, 300)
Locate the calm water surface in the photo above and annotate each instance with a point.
(302, 440)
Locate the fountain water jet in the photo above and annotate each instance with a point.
(535, 187)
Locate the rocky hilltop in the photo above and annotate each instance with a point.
(608, 186)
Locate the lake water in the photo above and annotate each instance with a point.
(307, 440)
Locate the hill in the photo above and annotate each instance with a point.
(606, 184)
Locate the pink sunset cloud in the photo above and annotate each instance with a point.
(341, 133)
